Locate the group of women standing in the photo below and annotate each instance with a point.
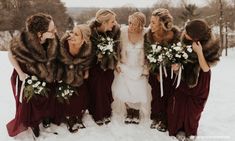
(100, 62)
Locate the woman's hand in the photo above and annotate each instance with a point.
(86, 74)
(23, 76)
(175, 67)
(118, 69)
(197, 47)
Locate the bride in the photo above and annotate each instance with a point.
(130, 84)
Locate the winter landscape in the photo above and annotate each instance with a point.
(217, 122)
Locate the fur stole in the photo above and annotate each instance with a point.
(39, 59)
(106, 62)
(71, 67)
(176, 37)
(211, 51)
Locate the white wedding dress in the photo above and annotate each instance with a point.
(130, 85)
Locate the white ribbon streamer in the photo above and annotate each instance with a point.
(179, 77)
(21, 91)
(164, 69)
(172, 72)
(161, 80)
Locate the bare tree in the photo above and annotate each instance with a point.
(190, 12)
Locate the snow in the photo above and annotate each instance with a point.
(217, 121)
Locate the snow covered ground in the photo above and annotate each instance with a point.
(217, 122)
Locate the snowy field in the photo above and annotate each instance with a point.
(217, 122)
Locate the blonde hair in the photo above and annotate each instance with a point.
(104, 15)
(165, 18)
(85, 31)
(140, 17)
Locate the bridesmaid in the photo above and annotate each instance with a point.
(104, 31)
(33, 56)
(75, 57)
(163, 33)
(188, 101)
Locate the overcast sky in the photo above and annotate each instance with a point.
(119, 3)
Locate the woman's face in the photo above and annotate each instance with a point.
(186, 38)
(133, 25)
(110, 24)
(155, 24)
(76, 36)
(50, 34)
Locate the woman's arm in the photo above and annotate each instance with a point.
(16, 65)
(197, 47)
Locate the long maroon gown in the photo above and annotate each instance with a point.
(186, 105)
(31, 113)
(77, 103)
(100, 82)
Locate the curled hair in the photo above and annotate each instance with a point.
(85, 31)
(198, 30)
(38, 23)
(103, 15)
(141, 18)
(165, 18)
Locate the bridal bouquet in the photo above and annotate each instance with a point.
(179, 53)
(33, 86)
(106, 53)
(64, 92)
(156, 56)
(105, 46)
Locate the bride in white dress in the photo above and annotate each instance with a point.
(130, 84)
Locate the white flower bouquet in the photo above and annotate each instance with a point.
(156, 56)
(179, 53)
(105, 46)
(33, 86)
(64, 92)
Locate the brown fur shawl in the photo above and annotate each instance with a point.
(38, 61)
(176, 37)
(211, 51)
(106, 62)
(148, 40)
(71, 68)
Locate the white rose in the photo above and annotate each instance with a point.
(29, 82)
(189, 49)
(160, 58)
(110, 48)
(34, 78)
(43, 84)
(153, 46)
(178, 56)
(179, 44)
(149, 56)
(185, 55)
(153, 60)
(159, 47)
(177, 48)
(40, 89)
(38, 83)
